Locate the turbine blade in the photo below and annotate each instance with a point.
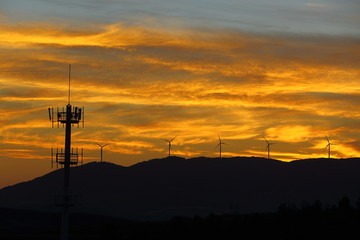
(266, 140)
(173, 138)
(327, 139)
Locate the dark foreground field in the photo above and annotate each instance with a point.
(309, 221)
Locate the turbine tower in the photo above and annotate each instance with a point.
(268, 147)
(101, 149)
(169, 142)
(68, 117)
(328, 146)
(219, 145)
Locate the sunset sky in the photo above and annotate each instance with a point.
(152, 70)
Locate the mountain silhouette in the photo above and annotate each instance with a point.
(162, 188)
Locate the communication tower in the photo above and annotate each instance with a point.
(66, 157)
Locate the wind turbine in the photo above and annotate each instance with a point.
(169, 141)
(219, 145)
(101, 149)
(328, 146)
(268, 147)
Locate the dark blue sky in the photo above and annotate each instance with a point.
(280, 16)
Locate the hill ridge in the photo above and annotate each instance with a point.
(165, 187)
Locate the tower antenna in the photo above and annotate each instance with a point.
(67, 156)
(69, 84)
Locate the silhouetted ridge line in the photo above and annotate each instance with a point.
(162, 188)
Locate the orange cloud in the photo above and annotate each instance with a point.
(289, 133)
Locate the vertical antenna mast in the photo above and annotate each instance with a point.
(69, 83)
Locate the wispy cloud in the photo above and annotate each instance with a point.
(318, 5)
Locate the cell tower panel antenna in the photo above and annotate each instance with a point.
(76, 116)
(51, 116)
(83, 116)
